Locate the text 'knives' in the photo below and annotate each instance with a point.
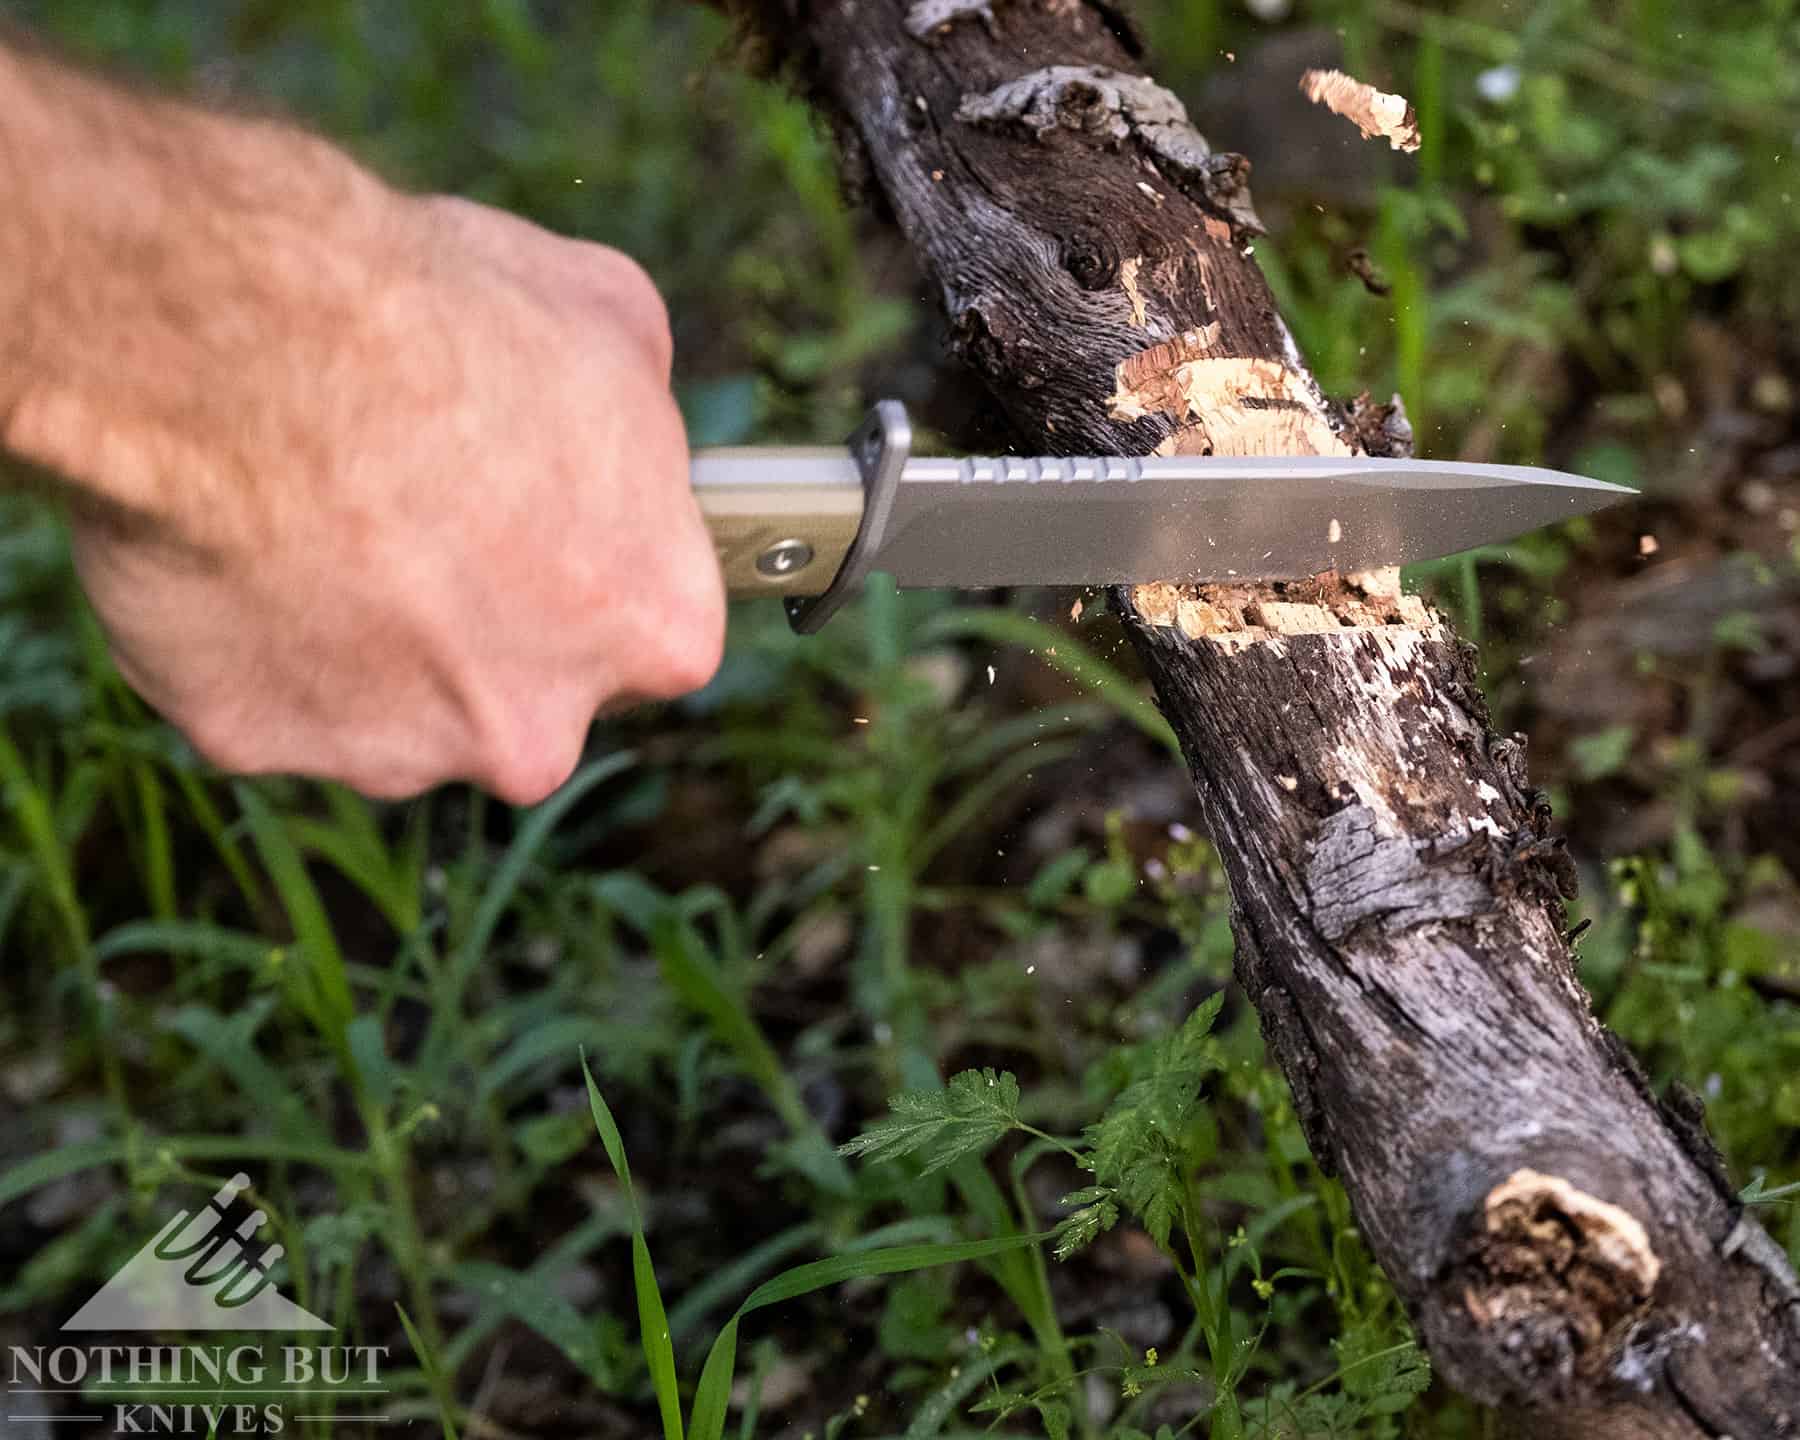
(810, 524)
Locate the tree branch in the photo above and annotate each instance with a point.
(1564, 1244)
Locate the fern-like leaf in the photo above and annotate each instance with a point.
(1137, 1147)
(1098, 1213)
(940, 1127)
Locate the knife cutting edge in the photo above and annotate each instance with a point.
(810, 524)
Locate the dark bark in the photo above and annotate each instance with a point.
(1567, 1246)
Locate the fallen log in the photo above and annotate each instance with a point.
(1568, 1246)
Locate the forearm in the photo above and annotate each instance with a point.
(152, 255)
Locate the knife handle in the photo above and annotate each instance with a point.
(803, 523)
(782, 519)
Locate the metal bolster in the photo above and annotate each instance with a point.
(879, 446)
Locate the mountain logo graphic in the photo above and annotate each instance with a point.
(197, 1273)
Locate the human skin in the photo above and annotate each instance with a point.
(379, 488)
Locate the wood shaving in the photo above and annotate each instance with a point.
(1128, 278)
(1374, 112)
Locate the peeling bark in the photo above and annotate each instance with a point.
(1094, 100)
(1564, 1244)
(929, 17)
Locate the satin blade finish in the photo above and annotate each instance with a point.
(970, 523)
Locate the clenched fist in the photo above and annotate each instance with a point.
(377, 488)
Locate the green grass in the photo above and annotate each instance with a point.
(863, 886)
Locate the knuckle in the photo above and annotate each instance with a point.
(633, 282)
(533, 765)
(686, 645)
(691, 665)
(386, 783)
(641, 306)
(682, 615)
(224, 745)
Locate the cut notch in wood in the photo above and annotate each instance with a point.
(1235, 615)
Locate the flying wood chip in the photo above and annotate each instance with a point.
(1372, 111)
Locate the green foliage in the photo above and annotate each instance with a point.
(653, 1321)
(940, 1127)
(1694, 957)
(1143, 1153)
(1376, 1383)
(707, 1418)
(1602, 753)
(1141, 1150)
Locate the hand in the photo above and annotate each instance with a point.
(418, 509)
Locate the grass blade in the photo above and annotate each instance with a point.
(191, 939)
(325, 989)
(159, 855)
(714, 1392)
(354, 846)
(653, 1321)
(694, 975)
(730, 1279)
(433, 1376)
(505, 884)
(529, 1299)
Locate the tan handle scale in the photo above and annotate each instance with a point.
(782, 519)
(803, 523)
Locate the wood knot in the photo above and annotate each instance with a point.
(1091, 259)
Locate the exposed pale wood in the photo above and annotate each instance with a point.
(1567, 1246)
(1374, 112)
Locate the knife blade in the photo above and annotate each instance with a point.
(805, 522)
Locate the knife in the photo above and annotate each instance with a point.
(810, 524)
